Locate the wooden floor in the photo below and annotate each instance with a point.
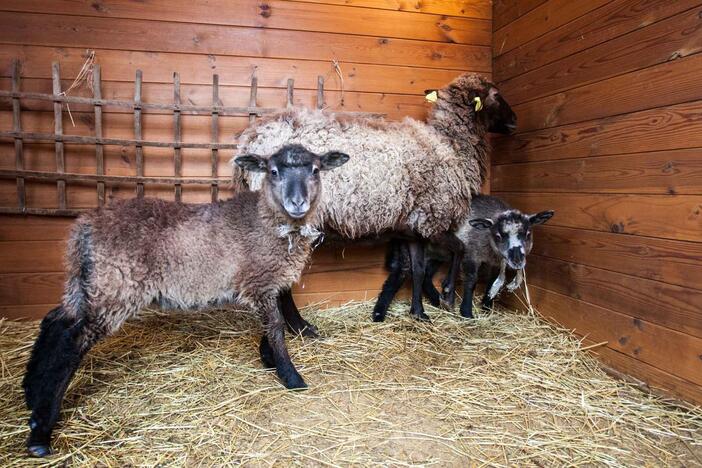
(610, 136)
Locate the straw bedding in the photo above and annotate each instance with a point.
(504, 389)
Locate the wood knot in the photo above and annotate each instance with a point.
(623, 340)
(617, 228)
(638, 323)
(98, 6)
(436, 56)
(266, 10)
(383, 41)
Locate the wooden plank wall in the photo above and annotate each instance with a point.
(389, 52)
(609, 100)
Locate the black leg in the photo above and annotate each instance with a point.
(55, 357)
(273, 349)
(431, 267)
(416, 249)
(293, 319)
(487, 302)
(392, 284)
(470, 272)
(449, 241)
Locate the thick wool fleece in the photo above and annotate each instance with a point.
(405, 175)
(131, 253)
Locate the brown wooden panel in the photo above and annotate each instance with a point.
(26, 312)
(467, 8)
(119, 65)
(672, 306)
(34, 256)
(674, 262)
(671, 217)
(506, 11)
(29, 228)
(73, 31)
(30, 288)
(660, 381)
(661, 85)
(661, 129)
(278, 14)
(664, 172)
(675, 37)
(611, 20)
(540, 20)
(660, 347)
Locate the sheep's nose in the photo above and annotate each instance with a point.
(516, 256)
(298, 201)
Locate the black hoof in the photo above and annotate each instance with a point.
(445, 306)
(378, 317)
(467, 315)
(294, 382)
(266, 354)
(39, 450)
(421, 316)
(309, 331)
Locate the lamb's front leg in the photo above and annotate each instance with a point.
(274, 353)
(294, 320)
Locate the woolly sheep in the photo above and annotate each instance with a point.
(127, 255)
(405, 177)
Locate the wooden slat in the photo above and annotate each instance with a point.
(660, 347)
(467, 8)
(99, 150)
(661, 129)
(611, 20)
(664, 172)
(672, 38)
(17, 127)
(660, 381)
(26, 312)
(674, 262)
(289, 99)
(542, 19)
(669, 217)
(32, 257)
(252, 96)
(671, 306)
(320, 92)
(31, 228)
(58, 130)
(139, 151)
(280, 14)
(215, 136)
(105, 33)
(506, 11)
(177, 155)
(30, 288)
(234, 71)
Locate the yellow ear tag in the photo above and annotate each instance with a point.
(432, 97)
(478, 103)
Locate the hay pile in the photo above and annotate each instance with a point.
(501, 390)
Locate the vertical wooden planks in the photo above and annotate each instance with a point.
(137, 134)
(320, 92)
(17, 127)
(289, 94)
(58, 130)
(99, 149)
(215, 136)
(177, 156)
(252, 96)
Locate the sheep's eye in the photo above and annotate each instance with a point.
(274, 172)
(315, 171)
(528, 234)
(498, 236)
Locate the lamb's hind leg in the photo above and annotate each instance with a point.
(273, 351)
(416, 249)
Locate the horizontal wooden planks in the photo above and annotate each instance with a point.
(540, 20)
(662, 172)
(506, 11)
(278, 14)
(148, 36)
(634, 346)
(666, 128)
(657, 86)
(670, 217)
(668, 305)
(673, 262)
(31, 228)
(611, 20)
(467, 8)
(158, 67)
(666, 40)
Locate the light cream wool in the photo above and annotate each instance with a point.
(406, 175)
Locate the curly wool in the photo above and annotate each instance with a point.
(405, 175)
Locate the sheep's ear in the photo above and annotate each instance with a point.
(481, 223)
(431, 95)
(333, 159)
(251, 162)
(541, 218)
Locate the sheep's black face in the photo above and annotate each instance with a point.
(292, 176)
(511, 234)
(499, 115)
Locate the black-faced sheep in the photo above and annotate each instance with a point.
(407, 177)
(496, 237)
(130, 254)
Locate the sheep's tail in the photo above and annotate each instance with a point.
(81, 266)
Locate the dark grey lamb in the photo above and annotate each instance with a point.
(130, 254)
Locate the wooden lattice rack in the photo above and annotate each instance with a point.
(61, 177)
